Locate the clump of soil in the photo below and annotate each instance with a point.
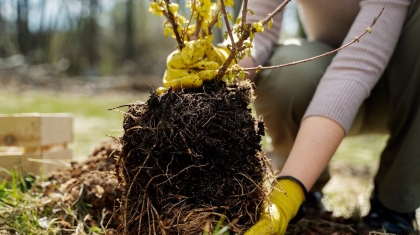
(190, 158)
(92, 185)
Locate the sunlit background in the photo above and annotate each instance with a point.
(44, 41)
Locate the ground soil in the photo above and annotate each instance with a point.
(323, 223)
(92, 184)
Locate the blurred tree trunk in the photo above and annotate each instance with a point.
(24, 37)
(43, 36)
(89, 36)
(3, 35)
(129, 31)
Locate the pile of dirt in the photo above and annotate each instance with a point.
(91, 185)
(189, 158)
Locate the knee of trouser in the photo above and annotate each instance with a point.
(283, 94)
(290, 89)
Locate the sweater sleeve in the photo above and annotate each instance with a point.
(263, 42)
(355, 70)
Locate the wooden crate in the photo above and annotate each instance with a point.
(35, 142)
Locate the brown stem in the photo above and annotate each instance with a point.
(197, 28)
(171, 19)
(185, 31)
(229, 29)
(214, 20)
(246, 34)
(275, 12)
(244, 11)
(356, 39)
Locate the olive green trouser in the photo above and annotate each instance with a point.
(393, 107)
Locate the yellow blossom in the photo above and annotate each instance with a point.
(156, 9)
(258, 26)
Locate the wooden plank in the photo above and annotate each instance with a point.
(37, 162)
(19, 163)
(56, 129)
(53, 160)
(35, 130)
(20, 131)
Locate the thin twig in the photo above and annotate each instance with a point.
(244, 11)
(245, 36)
(185, 31)
(275, 12)
(356, 39)
(124, 105)
(171, 19)
(198, 24)
(215, 19)
(229, 29)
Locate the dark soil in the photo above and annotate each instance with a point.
(316, 222)
(190, 158)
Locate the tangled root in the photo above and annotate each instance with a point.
(190, 158)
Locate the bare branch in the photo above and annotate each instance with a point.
(185, 31)
(356, 39)
(197, 28)
(275, 12)
(244, 11)
(229, 29)
(245, 35)
(171, 19)
(214, 20)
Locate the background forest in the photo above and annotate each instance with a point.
(102, 43)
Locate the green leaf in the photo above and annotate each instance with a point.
(242, 74)
(96, 229)
(238, 20)
(226, 35)
(357, 39)
(224, 230)
(219, 224)
(369, 30)
(270, 23)
(248, 44)
(252, 12)
(230, 17)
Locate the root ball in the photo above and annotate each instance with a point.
(190, 158)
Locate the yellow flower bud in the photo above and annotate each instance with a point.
(258, 26)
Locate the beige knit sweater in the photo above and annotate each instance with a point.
(355, 70)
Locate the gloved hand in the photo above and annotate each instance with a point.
(275, 217)
(197, 62)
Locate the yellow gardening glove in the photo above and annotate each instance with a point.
(276, 215)
(198, 61)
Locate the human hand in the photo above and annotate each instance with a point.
(198, 61)
(282, 208)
